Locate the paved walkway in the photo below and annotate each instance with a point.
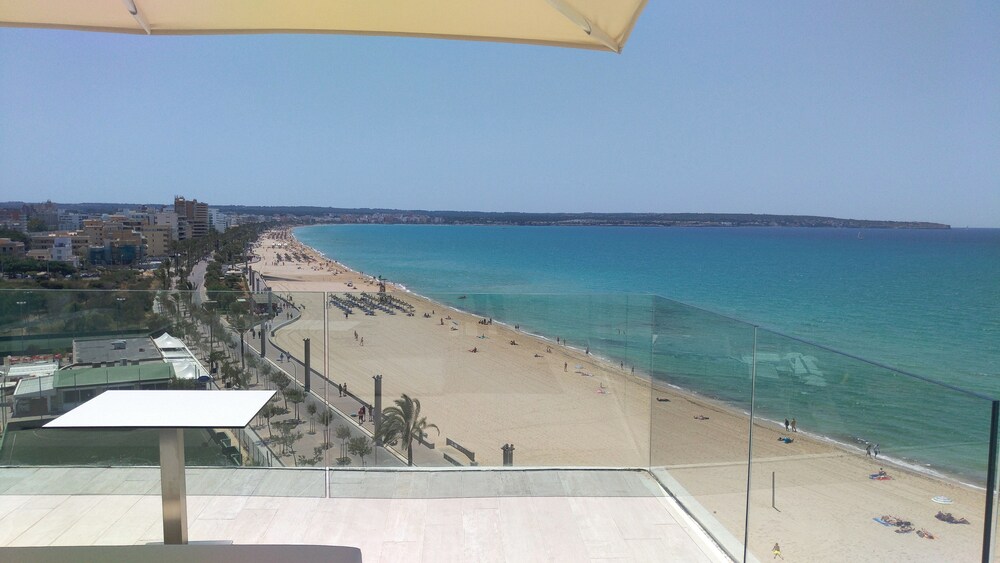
(524, 516)
(345, 408)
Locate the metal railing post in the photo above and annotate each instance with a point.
(753, 387)
(991, 483)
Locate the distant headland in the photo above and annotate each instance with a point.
(418, 216)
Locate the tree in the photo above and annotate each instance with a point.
(404, 423)
(360, 447)
(343, 434)
(229, 373)
(311, 409)
(326, 418)
(192, 384)
(36, 225)
(271, 409)
(214, 357)
(287, 437)
(297, 397)
(281, 381)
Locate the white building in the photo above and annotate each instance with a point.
(218, 220)
(62, 251)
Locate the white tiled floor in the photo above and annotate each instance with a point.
(574, 526)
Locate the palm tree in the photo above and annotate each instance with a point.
(404, 423)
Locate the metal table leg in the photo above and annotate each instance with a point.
(172, 486)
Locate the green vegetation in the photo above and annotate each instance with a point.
(361, 447)
(403, 423)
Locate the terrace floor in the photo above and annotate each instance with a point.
(414, 515)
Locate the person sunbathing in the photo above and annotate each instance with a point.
(949, 518)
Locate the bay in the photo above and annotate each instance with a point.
(926, 302)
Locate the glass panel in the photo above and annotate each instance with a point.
(701, 373)
(870, 463)
(568, 380)
(550, 375)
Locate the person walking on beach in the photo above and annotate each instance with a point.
(786, 425)
(355, 335)
(362, 340)
(776, 550)
(868, 449)
(565, 366)
(875, 451)
(794, 429)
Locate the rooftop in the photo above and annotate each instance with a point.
(83, 377)
(416, 515)
(114, 350)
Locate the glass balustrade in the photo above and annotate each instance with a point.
(762, 438)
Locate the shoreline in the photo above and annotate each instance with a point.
(956, 477)
(578, 427)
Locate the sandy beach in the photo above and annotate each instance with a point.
(563, 407)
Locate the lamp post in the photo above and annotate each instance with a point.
(3, 407)
(24, 323)
(118, 318)
(211, 325)
(242, 328)
(377, 413)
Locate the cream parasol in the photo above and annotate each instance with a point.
(585, 24)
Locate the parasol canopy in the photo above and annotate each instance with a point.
(585, 24)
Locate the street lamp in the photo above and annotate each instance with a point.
(242, 328)
(118, 319)
(24, 323)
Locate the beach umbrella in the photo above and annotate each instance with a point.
(585, 24)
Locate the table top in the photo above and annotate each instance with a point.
(165, 409)
(190, 553)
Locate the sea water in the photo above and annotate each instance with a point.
(926, 302)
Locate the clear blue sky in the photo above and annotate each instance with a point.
(870, 110)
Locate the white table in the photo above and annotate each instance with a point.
(171, 412)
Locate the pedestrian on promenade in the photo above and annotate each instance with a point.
(345, 390)
(340, 389)
(361, 415)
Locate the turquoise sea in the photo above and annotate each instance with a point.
(924, 301)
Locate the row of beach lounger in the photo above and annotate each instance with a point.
(369, 304)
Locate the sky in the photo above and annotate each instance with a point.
(865, 110)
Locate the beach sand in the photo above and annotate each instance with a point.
(562, 407)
